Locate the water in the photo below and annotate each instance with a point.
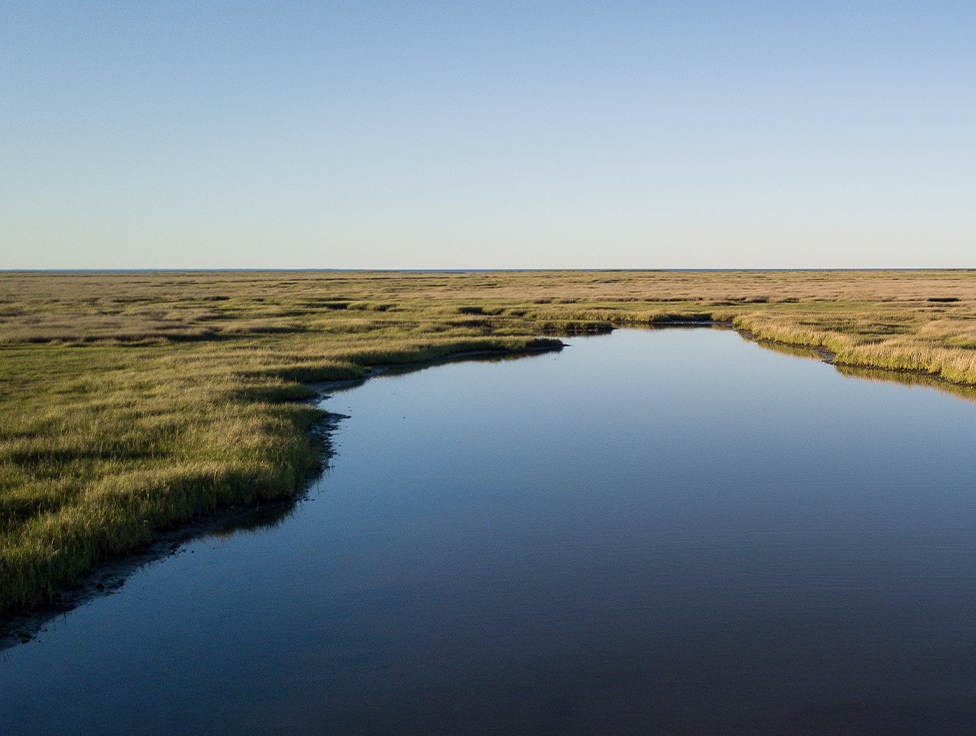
(671, 532)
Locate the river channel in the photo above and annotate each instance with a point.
(649, 532)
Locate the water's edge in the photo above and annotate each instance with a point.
(111, 574)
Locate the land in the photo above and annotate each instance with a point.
(134, 403)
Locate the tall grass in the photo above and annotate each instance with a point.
(134, 402)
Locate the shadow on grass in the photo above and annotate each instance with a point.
(111, 574)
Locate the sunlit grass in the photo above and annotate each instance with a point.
(133, 402)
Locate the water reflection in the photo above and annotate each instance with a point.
(907, 378)
(650, 532)
(111, 576)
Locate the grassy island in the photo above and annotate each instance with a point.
(133, 402)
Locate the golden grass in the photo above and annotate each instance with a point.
(132, 402)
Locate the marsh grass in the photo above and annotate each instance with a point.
(135, 402)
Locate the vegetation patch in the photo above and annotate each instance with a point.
(133, 403)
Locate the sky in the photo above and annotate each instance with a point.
(455, 135)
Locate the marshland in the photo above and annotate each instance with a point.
(671, 529)
(133, 402)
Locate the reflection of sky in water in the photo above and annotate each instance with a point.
(659, 530)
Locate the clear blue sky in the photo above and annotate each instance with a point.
(487, 135)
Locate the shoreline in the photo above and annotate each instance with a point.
(135, 403)
(111, 573)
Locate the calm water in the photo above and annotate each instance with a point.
(650, 532)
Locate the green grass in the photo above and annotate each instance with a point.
(135, 402)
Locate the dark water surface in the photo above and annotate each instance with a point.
(671, 532)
